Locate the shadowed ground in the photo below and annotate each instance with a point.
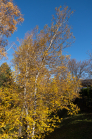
(75, 127)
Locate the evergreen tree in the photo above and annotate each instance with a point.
(5, 75)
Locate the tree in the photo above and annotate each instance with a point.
(9, 112)
(5, 75)
(10, 16)
(90, 66)
(37, 59)
(79, 69)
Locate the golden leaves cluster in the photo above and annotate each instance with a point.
(10, 16)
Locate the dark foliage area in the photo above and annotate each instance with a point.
(85, 100)
(5, 75)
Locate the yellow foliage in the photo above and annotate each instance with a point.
(10, 16)
(26, 110)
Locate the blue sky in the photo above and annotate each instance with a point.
(39, 12)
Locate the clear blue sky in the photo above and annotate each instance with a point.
(39, 12)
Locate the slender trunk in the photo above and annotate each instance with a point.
(20, 128)
(25, 98)
(35, 102)
(25, 104)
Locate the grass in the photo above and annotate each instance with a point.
(74, 127)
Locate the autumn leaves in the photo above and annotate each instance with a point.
(43, 81)
(10, 16)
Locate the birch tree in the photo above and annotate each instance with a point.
(37, 59)
(10, 16)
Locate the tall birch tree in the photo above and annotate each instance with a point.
(37, 59)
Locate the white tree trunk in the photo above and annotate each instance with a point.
(35, 102)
